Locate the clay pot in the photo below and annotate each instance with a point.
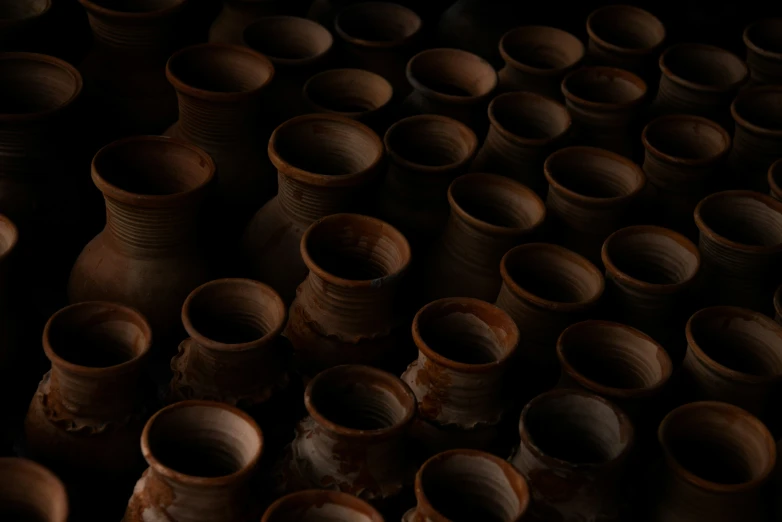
(453, 83)
(344, 310)
(775, 179)
(342, 157)
(717, 458)
(525, 129)
(20, 20)
(202, 457)
(741, 247)
(425, 154)
(758, 137)
(649, 275)
(764, 51)
(316, 505)
(236, 15)
(489, 216)
(465, 484)
(604, 103)
(684, 157)
(298, 48)
(379, 37)
(590, 192)
(146, 256)
(28, 491)
(537, 58)
(574, 442)
(354, 437)
(699, 79)
(465, 347)
(627, 37)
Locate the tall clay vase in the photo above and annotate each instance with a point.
(717, 460)
(344, 310)
(28, 491)
(684, 158)
(236, 15)
(465, 346)
(22, 22)
(590, 193)
(465, 484)
(741, 248)
(354, 439)
(317, 505)
(537, 58)
(379, 37)
(575, 442)
(757, 141)
(775, 179)
(764, 51)
(146, 256)
(343, 157)
(604, 103)
(490, 215)
(525, 129)
(202, 459)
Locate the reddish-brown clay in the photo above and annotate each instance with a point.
(236, 15)
(344, 310)
(379, 37)
(490, 215)
(465, 484)
(741, 248)
(354, 437)
(717, 459)
(317, 505)
(20, 19)
(590, 192)
(464, 349)
(757, 140)
(537, 58)
(525, 129)
(202, 457)
(764, 51)
(573, 450)
(324, 163)
(146, 256)
(28, 491)
(775, 179)
(604, 103)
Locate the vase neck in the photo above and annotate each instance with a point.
(305, 203)
(205, 122)
(150, 36)
(477, 249)
(102, 396)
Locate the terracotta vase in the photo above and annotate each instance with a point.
(741, 248)
(22, 23)
(202, 458)
(757, 141)
(649, 275)
(453, 83)
(775, 179)
(465, 484)
(124, 73)
(344, 310)
(379, 37)
(464, 347)
(604, 103)
(717, 458)
(699, 79)
(545, 289)
(298, 48)
(590, 193)
(573, 450)
(490, 215)
(28, 491)
(343, 157)
(684, 157)
(146, 256)
(425, 154)
(764, 51)
(525, 129)
(317, 505)
(236, 15)
(354, 439)
(537, 58)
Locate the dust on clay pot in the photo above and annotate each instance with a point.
(236, 15)
(317, 505)
(28, 491)
(775, 179)
(525, 128)
(21, 21)
(342, 158)
(574, 442)
(202, 457)
(344, 310)
(717, 458)
(537, 58)
(764, 51)
(465, 484)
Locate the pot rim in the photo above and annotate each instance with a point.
(297, 62)
(377, 44)
(773, 174)
(60, 496)
(515, 64)
(666, 71)
(745, 36)
(94, 8)
(747, 125)
(450, 98)
(628, 51)
(13, 237)
(346, 71)
(691, 162)
(706, 230)
(613, 72)
(396, 158)
(320, 497)
(510, 136)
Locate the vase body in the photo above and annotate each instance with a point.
(757, 137)
(236, 15)
(316, 505)
(763, 57)
(31, 492)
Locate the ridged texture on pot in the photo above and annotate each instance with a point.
(317, 505)
(28, 491)
(757, 140)
(764, 51)
(236, 15)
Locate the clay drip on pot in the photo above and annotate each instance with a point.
(537, 58)
(30, 492)
(354, 93)
(758, 137)
(775, 179)
(321, 506)
(764, 51)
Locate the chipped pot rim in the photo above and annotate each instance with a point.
(627, 51)
(668, 73)
(321, 497)
(352, 9)
(307, 89)
(95, 8)
(705, 229)
(510, 136)
(691, 118)
(521, 66)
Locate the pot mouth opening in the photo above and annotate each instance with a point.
(765, 36)
(348, 91)
(687, 138)
(704, 66)
(604, 85)
(21, 10)
(317, 505)
(497, 201)
(431, 142)
(36, 84)
(748, 219)
(541, 47)
(760, 109)
(626, 27)
(452, 73)
(529, 116)
(136, 6)
(594, 173)
(288, 39)
(9, 235)
(377, 23)
(220, 69)
(31, 492)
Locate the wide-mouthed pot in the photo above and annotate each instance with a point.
(764, 51)
(28, 491)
